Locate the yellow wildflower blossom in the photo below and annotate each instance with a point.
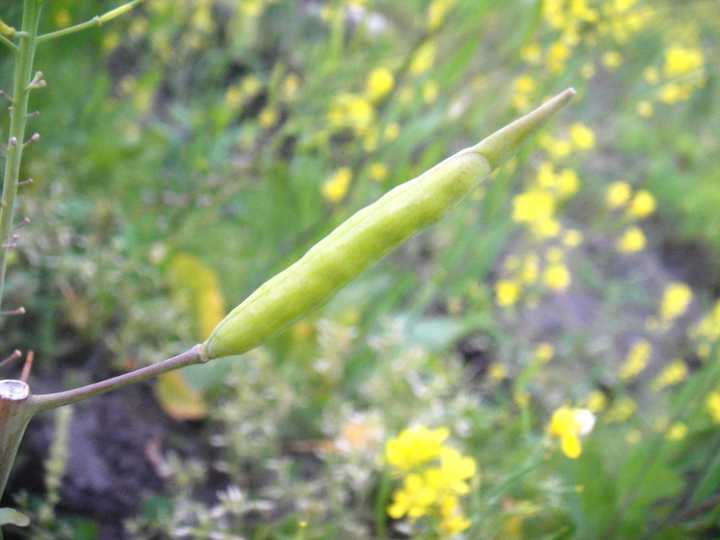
(377, 171)
(568, 425)
(379, 83)
(673, 373)
(530, 269)
(582, 136)
(436, 13)
(612, 59)
(636, 361)
(596, 401)
(644, 108)
(531, 54)
(353, 111)
(335, 187)
(392, 131)
(268, 117)
(676, 298)
(423, 58)
(642, 205)
(429, 92)
(557, 277)
(572, 238)
(681, 60)
(544, 352)
(632, 240)
(415, 446)
(506, 292)
(414, 499)
(568, 183)
(618, 194)
(677, 432)
(621, 410)
(712, 404)
(533, 205)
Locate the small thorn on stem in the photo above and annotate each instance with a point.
(27, 366)
(5, 95)
(34, 138)
(37, 81)
(25, 182)
(11, 313)
(13, 356)
(13, 141)
(33, 114)
(24, 221)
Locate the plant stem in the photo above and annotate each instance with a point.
(44, 402)
(96, 21)
(7, 42)
(18, 119)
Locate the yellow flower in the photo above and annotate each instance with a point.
(582, 136)
(392, 131)
(568, 425)
(672, 93)
(572, 238)
(452, 474)
(250, 86)
(379, 83)
(545, 228)
(353, 111)
(681, 61)
(414, 499)
(557, 148)
(534, 205)
(557, 277)
(644, 108)
(506, 292)
(596, 401)
(673, 373)
(677, 432)
(621, 410)
(651, 75)
(712, 404)
(233, 97)
(632, 240)
(675, 301)
(378, 171)
(291, 85)
(430, 92)
(642, 204)
(544, 352)
(636, 361)
(415, 446)
(268, 117)
(531, 54)
(618, 194)
(423, 58)
(611, 60)
(497, 372)
(530, 269)
(557, 54)
(335, 187)
(567, 183)
(436, 13)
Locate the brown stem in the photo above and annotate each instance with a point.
(44, 402)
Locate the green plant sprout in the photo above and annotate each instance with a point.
(333, 262)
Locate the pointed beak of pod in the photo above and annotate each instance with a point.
(501, 144)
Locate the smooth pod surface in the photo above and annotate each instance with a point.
(366, 237)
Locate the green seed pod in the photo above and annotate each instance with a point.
(366, 237)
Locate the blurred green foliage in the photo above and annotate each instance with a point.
(231, 135)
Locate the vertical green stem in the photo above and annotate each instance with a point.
(18, 120)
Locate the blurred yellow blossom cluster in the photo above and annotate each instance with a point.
(631, 208)
(569, 425)
(543, 266)
(434, 477)
(706, 332)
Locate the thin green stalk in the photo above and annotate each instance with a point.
(95, 22)
(8, 43)
(18, 120)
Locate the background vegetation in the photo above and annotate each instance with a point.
(555, 337)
